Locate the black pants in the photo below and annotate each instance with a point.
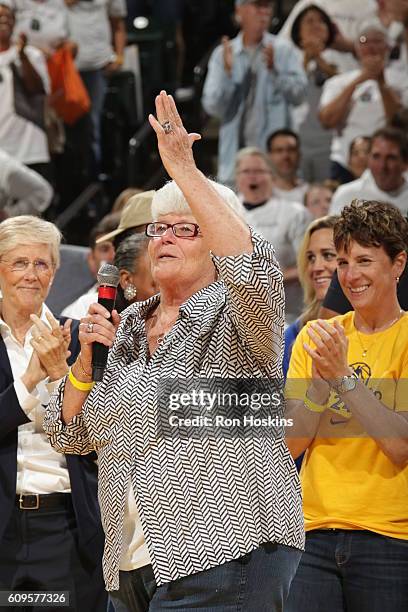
(39, 552)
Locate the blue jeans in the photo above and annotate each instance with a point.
(257, 582)
(95, 83)
(350, 570)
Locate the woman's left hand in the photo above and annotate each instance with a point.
(330, 355)
(175, 144)
(51, 345)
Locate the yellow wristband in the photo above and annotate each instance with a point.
(312, 406)
(81, 386)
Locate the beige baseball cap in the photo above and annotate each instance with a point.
(137, 211)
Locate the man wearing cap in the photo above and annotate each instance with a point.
(251, 83)
(135, 215)
(359, 102)
(134, 218)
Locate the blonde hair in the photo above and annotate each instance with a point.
(26, 230)
(170, 199)
(312, 304)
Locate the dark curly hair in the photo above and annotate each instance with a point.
(372, 223)
(295, 31)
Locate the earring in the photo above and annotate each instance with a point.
(397, 279)
(130, 292)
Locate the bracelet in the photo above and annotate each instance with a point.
(312, 406)
(77, 384)
(79, 362)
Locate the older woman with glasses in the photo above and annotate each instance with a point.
(50, 533)
(219, 508)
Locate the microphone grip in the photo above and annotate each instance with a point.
(100, 351)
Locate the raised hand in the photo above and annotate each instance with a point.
(175, 144)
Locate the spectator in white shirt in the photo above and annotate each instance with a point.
(384, 178)
(98, 28)
(361, 101)
(281, 221)
(22, 191)
(23, 85)
(284, 151)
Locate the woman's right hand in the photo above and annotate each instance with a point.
(96, 327)
(319, 389)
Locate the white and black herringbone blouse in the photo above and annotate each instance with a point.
(203, 498)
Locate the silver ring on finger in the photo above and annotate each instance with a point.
(167, 127)
(89, 328)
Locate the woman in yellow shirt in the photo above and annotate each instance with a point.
(347, 393)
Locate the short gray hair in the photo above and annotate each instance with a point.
(170, 199)
(26, 230)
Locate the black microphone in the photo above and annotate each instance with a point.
(108, 280)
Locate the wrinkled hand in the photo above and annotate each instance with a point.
(228, 54)
(103, 331)
(330, 355)
(51, 343)
(175, 148)
(269, 56)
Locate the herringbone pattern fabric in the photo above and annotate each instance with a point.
(203, 499)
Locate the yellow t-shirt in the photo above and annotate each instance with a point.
(347, 480)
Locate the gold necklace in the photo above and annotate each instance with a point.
(382, 328)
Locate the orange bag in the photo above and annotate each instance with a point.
(69, 96)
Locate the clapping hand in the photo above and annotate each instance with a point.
(50, 343)
(329, 358)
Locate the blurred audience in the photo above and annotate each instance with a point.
(98, 28)
(313, 33)
(358, 157)
(251, 83)
(361, 101)
(100, 252)
(318, 198)
(316, 264)
(44, 23)
(384, 178)
(136, 283)
(283, 147)
(23, 85)
(22, 191)
(346, 15)
(282, 222)
(51, 538)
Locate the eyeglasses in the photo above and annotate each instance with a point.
(181, 230)
(21, 265)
